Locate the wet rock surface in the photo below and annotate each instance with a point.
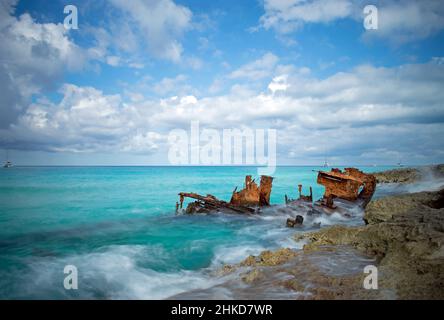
(406, 234)
(296, 222)
(407, 175)
(326, 273)
(410, 175)
(270, 258)
(385, 209)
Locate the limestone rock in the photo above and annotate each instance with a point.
(407, 175)
(252, 276)
(385, 209)
(270, 258)
(406, 234)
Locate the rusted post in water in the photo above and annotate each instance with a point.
(265, 190)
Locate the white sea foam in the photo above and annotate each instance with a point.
(427, 184)
(114, 273)
(330, 220)
(122, 272)
(289, 242)
(429, 181)
(235, 254)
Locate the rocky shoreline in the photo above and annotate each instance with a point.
(403, 234)
(408, 175)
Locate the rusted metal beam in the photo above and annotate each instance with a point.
(212, 201)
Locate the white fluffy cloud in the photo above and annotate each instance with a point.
(366, 115)
(257, 69)
(399, 21)
(85, 120)
(405, 21)
(177, 85)
(286, 16)
(278, 83)
(161, 23)
(33, 57)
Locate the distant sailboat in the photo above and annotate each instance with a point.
(326, 165)
(8, 164)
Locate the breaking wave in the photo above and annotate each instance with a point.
(430, 181)
(117, 272)
(157, 270)
(152, 271)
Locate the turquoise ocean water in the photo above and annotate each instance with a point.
(118, 226)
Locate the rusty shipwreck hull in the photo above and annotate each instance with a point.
(245, 201)
(350, 184)
(252, 194)
(344, 191)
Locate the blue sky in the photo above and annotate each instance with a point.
(111, 91)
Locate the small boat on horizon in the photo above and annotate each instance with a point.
(8, 164)
(326, 165)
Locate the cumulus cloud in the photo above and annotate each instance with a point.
(137, 31)
(113, 60)
(161, 23)
(257, 69)
(33, 57)
(85, 120)
(286, 16)
(365, 114)
(278, 83)
(405, 21)
(175, 85)
(398, 21)
(369, 114)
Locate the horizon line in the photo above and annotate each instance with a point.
(222, 166)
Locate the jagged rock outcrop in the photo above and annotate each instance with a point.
(385, 209)
(407, 175)
(439, 169)
(406, 234)
(301, 273)
(270, 258)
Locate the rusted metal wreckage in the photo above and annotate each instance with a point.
(351, 184)
(247, 200)
(302, 197)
